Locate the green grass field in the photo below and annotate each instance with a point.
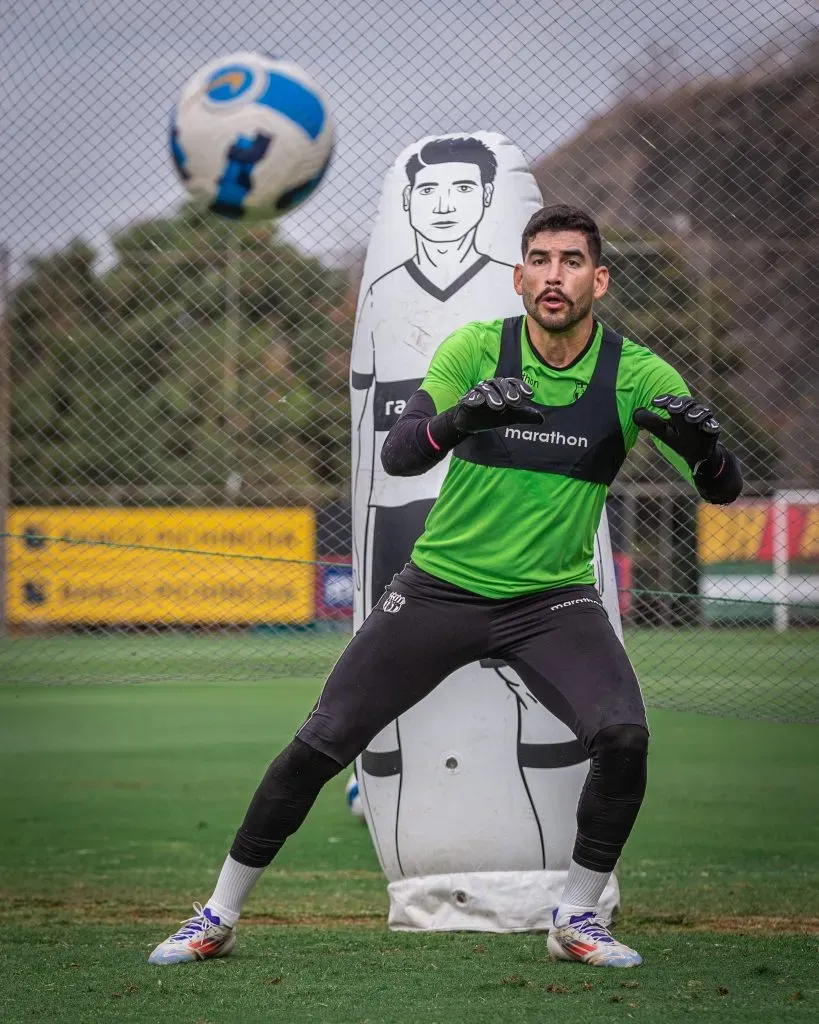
(750, 673)
(119, 801)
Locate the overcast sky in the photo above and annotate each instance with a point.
(88, 85)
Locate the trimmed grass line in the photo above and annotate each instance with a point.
(753, 924)
(18, 913)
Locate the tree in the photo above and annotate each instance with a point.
(682, 311)
(203, 366)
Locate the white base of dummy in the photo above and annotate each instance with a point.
(484, 901)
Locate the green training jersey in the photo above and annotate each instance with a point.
(504, 532)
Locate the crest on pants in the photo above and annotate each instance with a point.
(394, 602)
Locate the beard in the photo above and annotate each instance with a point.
(557, 323)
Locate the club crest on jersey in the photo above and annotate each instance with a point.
(579, 387)
(394, 602)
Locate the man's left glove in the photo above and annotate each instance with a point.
(692, 429)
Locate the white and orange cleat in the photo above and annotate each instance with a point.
(587, 941)
(201, 937)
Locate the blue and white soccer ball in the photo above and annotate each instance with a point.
(251, 135)
(353, 797)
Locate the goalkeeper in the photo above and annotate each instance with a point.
(539, 412)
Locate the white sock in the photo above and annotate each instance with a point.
(233, 888)
(582, 892)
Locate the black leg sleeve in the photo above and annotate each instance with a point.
(414, 637)
(280, 804)
(611, 796)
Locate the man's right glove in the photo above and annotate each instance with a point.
(691, 430)
(498, 402)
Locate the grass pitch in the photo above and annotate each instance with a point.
(118, 803)
(749, 673)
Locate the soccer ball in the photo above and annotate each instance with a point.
(251, 136)
(353, 797)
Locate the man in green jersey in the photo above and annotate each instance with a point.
(539, 412)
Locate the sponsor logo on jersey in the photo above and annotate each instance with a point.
(394, 407)
(391, 399)
(546, 437)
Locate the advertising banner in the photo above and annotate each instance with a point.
(161, 565)
(760, 557)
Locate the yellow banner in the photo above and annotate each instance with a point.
(51, 582)
(732, 533)
(743, 532)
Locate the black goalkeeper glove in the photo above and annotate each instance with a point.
(498, 402)
(692, 430)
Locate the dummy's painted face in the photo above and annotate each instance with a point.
(447, 201)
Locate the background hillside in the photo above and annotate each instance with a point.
(725, 174)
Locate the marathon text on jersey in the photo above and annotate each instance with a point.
(546, 437)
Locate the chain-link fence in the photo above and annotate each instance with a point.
(176, 486)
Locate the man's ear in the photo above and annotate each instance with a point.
(601, 282)
(517, 278)
(488, 192)
(406, 194)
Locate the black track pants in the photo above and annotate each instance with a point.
(560, 642)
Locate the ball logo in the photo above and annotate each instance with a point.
(228, 84)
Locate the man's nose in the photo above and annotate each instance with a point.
(444, 204)
(554, 272)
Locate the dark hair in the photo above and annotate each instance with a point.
(450, 151)
(563, 218)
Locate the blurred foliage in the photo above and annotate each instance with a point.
(209, 364)
(682, 312)
(210, 359)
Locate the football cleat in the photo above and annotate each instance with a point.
(587, 941)
(201, 937)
